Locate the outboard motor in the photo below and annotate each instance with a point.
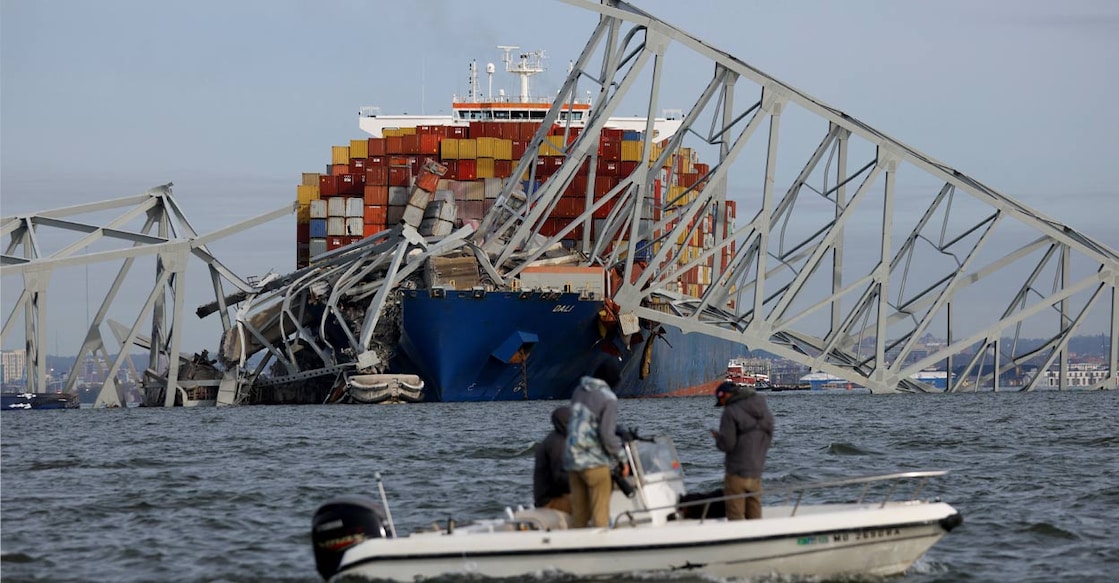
(342, 523)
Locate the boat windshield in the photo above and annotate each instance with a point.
(657, 460)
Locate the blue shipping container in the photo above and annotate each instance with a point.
(318, 228)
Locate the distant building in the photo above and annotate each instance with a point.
(1080, 374)
(14, 363)
(819, 381)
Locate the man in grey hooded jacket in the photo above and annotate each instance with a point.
(745, 432)
(593, 446)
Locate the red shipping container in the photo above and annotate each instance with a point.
(394, 145)
(576, 234)
(357, 166)
(610, 149)
(376, 214)
(502, 168)
(333, 243)
(339, 169)
(376, 175)
(519, 147)
(626, 168)
(399, 176)
(607, 167)
(478, 129)
(603, 184)
(328, 185)
(466, 170)
(377, 147)
(376, 161)
(549, 227)
(351, 184)
(302, 232)
(376, 194)
(604, 210)
(542, 167)
(368, 230)
(612, 134)
(429, 144)
(410, 144)
(459, 132)
(509, 131)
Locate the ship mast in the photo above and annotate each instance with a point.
(529, 64)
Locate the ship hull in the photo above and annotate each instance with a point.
(466, 349)
(20, 401)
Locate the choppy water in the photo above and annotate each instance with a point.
(228, 494)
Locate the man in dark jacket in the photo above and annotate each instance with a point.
(745, 432)
(550, 488)
(593, 446)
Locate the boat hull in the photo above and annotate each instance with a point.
(21, 401)
(465, 348)
(858, 541)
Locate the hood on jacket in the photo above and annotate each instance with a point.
(560, 417)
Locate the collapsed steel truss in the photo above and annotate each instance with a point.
(166, 235)
(785, 287)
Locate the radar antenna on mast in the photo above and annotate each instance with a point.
(527, 65)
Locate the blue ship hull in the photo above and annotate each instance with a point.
(506, 346)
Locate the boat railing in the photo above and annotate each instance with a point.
(794, 493)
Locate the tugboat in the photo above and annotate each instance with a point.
(747, 373)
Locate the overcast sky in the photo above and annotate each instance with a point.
(232, 100)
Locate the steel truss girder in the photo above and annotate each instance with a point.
(767, 293)
(166, 235)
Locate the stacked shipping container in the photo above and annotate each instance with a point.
(365, 188)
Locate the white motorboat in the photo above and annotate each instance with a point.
(869, 532)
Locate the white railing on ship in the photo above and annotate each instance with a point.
(794, 494)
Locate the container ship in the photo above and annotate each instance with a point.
(468, 340)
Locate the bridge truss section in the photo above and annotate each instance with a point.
(851, 250)
(151, 226)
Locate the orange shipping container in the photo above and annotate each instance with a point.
(371, 229)
(376, 215)
(429, 144)
(376, 194)
(394, 145)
